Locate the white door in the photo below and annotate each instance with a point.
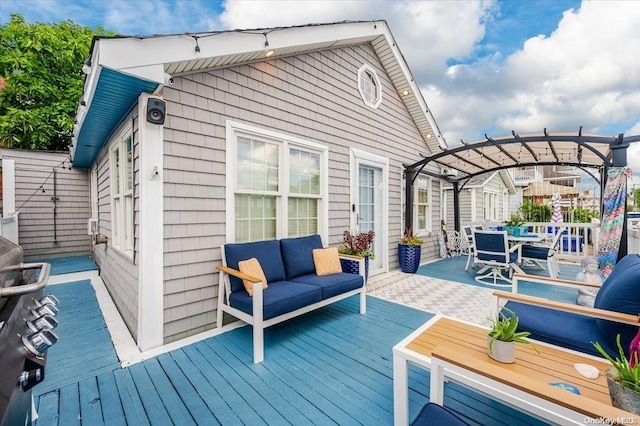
(370, 198)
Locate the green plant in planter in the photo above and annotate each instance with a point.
(411, 240)
(503, 328)
(628, 376)
(358, 245)
(515, 220)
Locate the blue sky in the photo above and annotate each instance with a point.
(484, 66)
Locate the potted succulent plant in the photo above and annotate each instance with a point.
(502, 338)
(623, 379)
(409, 251)
(513, 225)
(360, 245)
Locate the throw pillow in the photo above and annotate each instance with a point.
(327, 261)
(252, 267)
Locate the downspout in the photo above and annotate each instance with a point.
(409, 176)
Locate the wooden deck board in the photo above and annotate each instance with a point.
(90, 404)
(330, 366)
(150, 399)
(112, 410)
(130, 399)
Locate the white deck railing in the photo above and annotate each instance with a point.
(9, 228)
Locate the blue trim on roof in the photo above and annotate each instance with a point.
(114, 96)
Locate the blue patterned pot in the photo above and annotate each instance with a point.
(409, 258)
(352, 266)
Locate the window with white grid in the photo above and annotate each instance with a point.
(121, 166)
(278, 188)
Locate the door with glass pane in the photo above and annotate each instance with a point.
(369, 214)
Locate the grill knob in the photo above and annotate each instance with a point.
(49, 299)
(39, 342)
(45, 310)
(45, 322)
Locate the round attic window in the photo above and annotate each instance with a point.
(369, 86)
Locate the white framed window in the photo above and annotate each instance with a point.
(421, 204)
(279, 185)
(121, 166)
(491, 206)
(369, 86)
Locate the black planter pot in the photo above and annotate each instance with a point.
(409, 258)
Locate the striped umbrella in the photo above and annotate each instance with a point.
(556, 217)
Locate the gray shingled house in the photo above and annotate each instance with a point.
(485, 198)
(196, 140)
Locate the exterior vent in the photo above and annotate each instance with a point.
(92, 226)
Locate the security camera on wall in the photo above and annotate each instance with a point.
(156, 111)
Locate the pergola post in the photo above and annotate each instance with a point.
(409, 175)
(456, 206)
(619, 159)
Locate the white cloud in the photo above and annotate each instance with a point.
(583, 74)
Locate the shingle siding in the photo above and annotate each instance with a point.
(313, 97)
(119, 272)
(41, 235)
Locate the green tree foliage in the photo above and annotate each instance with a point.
(584, 215)
(42, 68)
(636, 198)
(535, 212)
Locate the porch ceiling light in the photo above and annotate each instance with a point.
(270, 53)
(405, 93)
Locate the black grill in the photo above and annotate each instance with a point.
(27, 320)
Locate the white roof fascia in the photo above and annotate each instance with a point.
(415, 90)
(132, 52)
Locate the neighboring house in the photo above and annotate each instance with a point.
(196, 140)
(539, 183)
(484, 198)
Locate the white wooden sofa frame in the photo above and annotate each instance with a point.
(257, 320)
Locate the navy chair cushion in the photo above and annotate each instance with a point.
(560, 328)
(297, 255)
(535, 252)
(267, 253)
(620, 292)
(332, 285)
(434, 414)
(279, 298)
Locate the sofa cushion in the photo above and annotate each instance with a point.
(267, 253)
(333, 284)
(327, 261)
(297, 255)
(560, 328)
(252, 267)
(281, 297)
(434, 414)
(620, 292)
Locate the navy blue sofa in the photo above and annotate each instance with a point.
(293, 288)
(620, 293)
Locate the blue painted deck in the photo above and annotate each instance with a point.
(84, 349)
(452, 269)
(330, 366)
(68, 265)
